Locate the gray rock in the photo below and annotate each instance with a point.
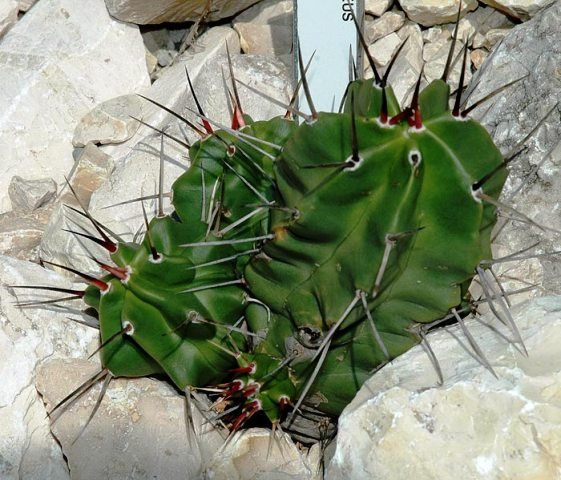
(428, 12)
(388, 23)
(266, 28)
(27, 337)
(21, 232)
(137, 433)
(25, 5)
(92, 168)
(28, 195)
(110, 122)
(401, 425)
(8, 14)
(59, 61)
(150, 12)
(534, 183)
(522, 9)
(377, 7)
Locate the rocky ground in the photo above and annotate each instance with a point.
(71, 71)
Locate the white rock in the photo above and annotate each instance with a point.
(388, 23)
(171, 89)
(27, 337)
(266, 28)
(148, 11)
(430, 12)
(495, 35)
(25, 5)
(407, 67)
(28, 195)
(8, 14)
(377, 7)
(137, 433)
(110, 122)
(248, 457)
(60, 60)
(21, 232)
(436, 54)
(485, 18)
(522, 9)
(383, 49)
(92, 168)
(401, 426)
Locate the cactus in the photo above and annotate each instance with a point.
(338, 243)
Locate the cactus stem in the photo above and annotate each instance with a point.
(306, 86)
(432, 357)
(161, 132)
(103, 286)
(474, 345)
(206, 124)
(375, 332)
(448, 65)
(104, 386)
(213, 285)
(176, 115)
(229, 242)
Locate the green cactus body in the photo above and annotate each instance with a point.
(399, 223)
(333, 242)
(166, 302)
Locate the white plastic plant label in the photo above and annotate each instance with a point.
(326, 30)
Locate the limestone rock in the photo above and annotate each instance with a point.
(266, 28)
(140, 423)
(435, 55)
(27, 337)
(60, 60)
(8, 14)
(248, 457)
(377, 7)
(28, 195)
(485, 18)
(150, 12)
(110, 122)
(21, 232)
(409, 63)
(428, 12)
(25, 5)
(534, 183)
(522, 9)
(388, 23)
(402, 426)
(92, 168)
